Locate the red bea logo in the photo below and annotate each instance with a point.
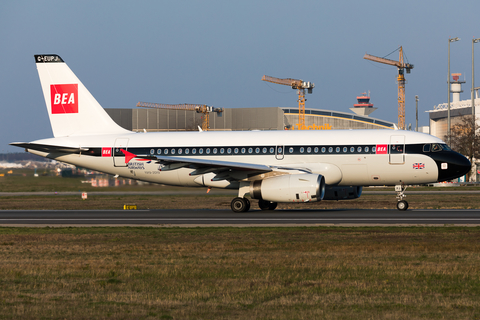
(106, 152)
(64, 98)
(381, 149)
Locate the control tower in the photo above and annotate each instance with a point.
(456, 87)
(363, 107)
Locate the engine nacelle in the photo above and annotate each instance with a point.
(343, 193)
(289, 188)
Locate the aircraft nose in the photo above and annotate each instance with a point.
(451, 165)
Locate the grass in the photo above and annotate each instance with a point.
(240, 273)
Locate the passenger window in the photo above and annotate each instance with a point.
(330, 150)
(337, 149)
(309, 149)
(235, 150)
(214, 150)
(165, 151)
(315, 150)
(257, 150)
(290, 150)
(352, 149)
(243, 150)
(272, 150)
(187, 151)
(207, 150)
(250, 150)
(229, 150)
(194, 151)
(301, 150)
(179, 151)
(359, 149)
(222, 151)
(173, 151)
(366, 149)
(200, 151)
(324, 149)
(159, 151)
(264, 150)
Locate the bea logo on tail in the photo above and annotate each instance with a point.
(64, 98)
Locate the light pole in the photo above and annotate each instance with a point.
(448, 108)
(416, 111)
(473, 85)
(473, 103)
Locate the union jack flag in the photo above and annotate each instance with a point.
(419, 166)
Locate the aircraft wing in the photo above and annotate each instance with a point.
(224, 170)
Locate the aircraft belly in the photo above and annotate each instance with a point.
(354, 174)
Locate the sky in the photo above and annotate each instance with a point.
(216, 52)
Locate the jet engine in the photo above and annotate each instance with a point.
(289, 188)
(342, 193)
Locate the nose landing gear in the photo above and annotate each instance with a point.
(401, 204)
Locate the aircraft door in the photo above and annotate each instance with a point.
(396, 150)
(279, 152)
(119, 156)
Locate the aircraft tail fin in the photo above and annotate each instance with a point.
(72, 109)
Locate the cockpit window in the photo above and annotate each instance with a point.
(436, 147)
(445, 147)
(426, 148)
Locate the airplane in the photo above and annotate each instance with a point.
(270, 166)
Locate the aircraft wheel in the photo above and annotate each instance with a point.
(248, 204)
(239, 204)
(267, 205)
(402, 205)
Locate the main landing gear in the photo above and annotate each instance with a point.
(242, 204)
(401, 204)
(267, 205)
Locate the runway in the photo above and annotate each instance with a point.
(191, 218)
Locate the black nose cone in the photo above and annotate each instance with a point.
(451, 165)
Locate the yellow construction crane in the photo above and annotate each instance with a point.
(300, 85)
(401, 66)
(199, 108)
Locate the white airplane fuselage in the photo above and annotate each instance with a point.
(340, 167)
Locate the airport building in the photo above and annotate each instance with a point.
(238, 119)
(458, 108)
(242, 119)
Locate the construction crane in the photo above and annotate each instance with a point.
(401, 66)
(199, 108)
(300, 85)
